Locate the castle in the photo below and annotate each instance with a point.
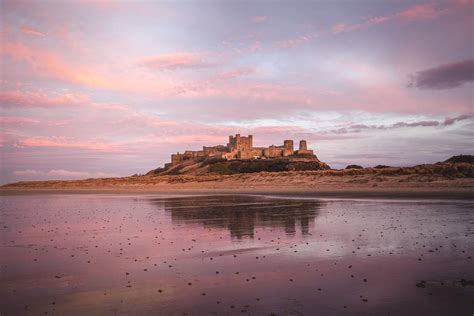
(241, 147)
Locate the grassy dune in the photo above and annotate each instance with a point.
(439, 178)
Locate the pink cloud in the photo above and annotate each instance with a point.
(31, 31)
(67, 142)
(39, 99)
(53, 66)
(298, 40)
(110, 106)
(342, 27)
(18, 98)
(277, 95)
(174, 61)
(239, 72)
(417, 12)
(422, 11)
(49, 64)
(15, 120)
(339, 28)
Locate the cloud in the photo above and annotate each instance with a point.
(422, 11)
(174, 61)
(343, 27)
(40, 99)
(51, 64)
(31, 31)
(417, 12)
(445, 76)
(259, 19)
(239, 72)
(17, 98)
(16, 120)
(451, 121)
(67, 142)
(357, 128)
(340, 27)
(415, 124)
(297, 40)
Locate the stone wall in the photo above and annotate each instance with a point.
(273, 152)
(176, 159)
(250, 153)
(304, 152)
(214, 150)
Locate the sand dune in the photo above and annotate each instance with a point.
(441, 179)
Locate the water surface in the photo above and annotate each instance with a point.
(177, 255)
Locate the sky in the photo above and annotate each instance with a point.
(104, 88)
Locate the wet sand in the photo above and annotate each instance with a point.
(341, 193)
(77, 254)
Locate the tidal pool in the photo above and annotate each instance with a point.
(234, 254)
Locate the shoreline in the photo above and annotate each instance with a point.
(342, 193)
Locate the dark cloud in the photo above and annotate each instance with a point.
(450, 121)
(445, 76)
(415, 124)
(357, 128)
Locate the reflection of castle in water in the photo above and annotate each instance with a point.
(241, 214)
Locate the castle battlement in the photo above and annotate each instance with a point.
(241, 147)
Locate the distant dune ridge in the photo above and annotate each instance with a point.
(461, 158)
(455, 175)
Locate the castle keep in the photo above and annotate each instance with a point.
(241, 147)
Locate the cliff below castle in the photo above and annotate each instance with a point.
(214, 165)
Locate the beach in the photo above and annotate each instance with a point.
(200, 254)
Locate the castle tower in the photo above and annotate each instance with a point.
(240, 143)
(237, 141)
(303, 145)
(287, 147)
